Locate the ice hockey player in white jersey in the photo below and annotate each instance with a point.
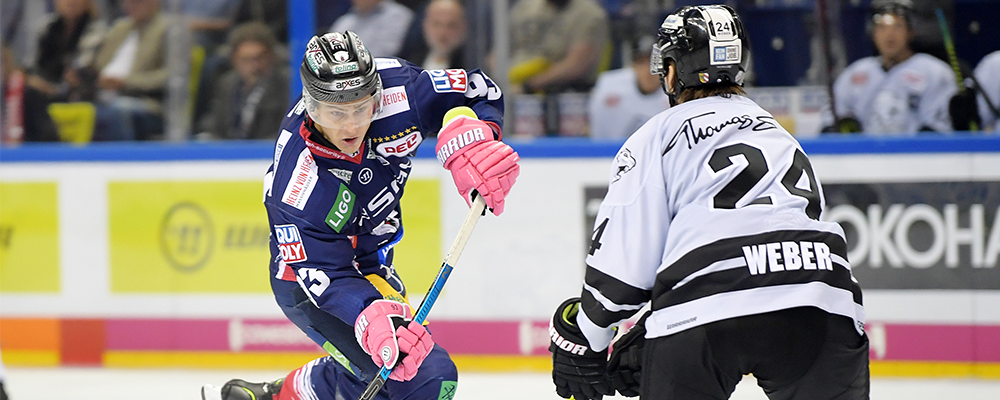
(713, 219)
(898, 92)
(623, 99)
(988, 77)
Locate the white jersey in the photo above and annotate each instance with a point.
(712, 213)
(988, 75)
(910, 97)
(617, 107)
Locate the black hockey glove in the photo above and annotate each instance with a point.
(625, 365)
(964, 111)
(576, 370)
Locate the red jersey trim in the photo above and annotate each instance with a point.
(327, 152)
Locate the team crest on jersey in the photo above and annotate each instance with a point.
(342, 174)
(623, 164)
(407, 142)
(448, 80)
(290, 243)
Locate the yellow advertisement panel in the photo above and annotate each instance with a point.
(418, 257)
(188, 236)
(212, 236)
(29, 237)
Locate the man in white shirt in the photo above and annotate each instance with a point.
(624, 99)
(383, 24)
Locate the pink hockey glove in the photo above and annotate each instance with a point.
(385, 330)
(466, 147)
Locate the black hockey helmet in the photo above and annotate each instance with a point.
(338, 68)
(899, 8)
(707, 44)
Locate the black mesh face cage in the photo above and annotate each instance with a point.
(337, 68)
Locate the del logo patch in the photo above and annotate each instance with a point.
(402, 146)
(290, 243)
(449, 80)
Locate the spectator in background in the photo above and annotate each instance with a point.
(896, 92)
(442, 38)
(68, 40)
(274, 13)
(988, 76)
(130, 74)
(383, 24)
(209, 20)
(249, 101)
(557, 45)
(25, 116)
(624, 99)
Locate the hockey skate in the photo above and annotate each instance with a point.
(238, 389)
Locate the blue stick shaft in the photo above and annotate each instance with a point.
(478, 207)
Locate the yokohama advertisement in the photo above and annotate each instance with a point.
(920, 235)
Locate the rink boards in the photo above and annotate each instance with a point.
(155, 255)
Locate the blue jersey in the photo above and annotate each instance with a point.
(335, 217)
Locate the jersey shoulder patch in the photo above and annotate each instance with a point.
(448, 80)
(387, 63)
(302, 182)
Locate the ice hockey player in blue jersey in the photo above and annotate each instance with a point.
(341, 162)
(712, 219)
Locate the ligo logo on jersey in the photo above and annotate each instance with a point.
(402, 146)
(290, 243)
(342, 208)
(449, 80)
(623, 164)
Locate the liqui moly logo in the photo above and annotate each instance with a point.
(290, 243)
(449, 80)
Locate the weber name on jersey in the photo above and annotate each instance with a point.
(722, 203)
(335, 217)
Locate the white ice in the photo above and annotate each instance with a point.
(185, 384)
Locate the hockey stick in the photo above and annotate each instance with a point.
(478, 207)
(824, 30)
(949, 45)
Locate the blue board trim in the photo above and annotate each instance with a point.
(536, 148)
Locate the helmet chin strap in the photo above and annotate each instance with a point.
(671, 94)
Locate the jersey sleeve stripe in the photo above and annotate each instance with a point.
(736, 280)
(600, 315)
(614, 289)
